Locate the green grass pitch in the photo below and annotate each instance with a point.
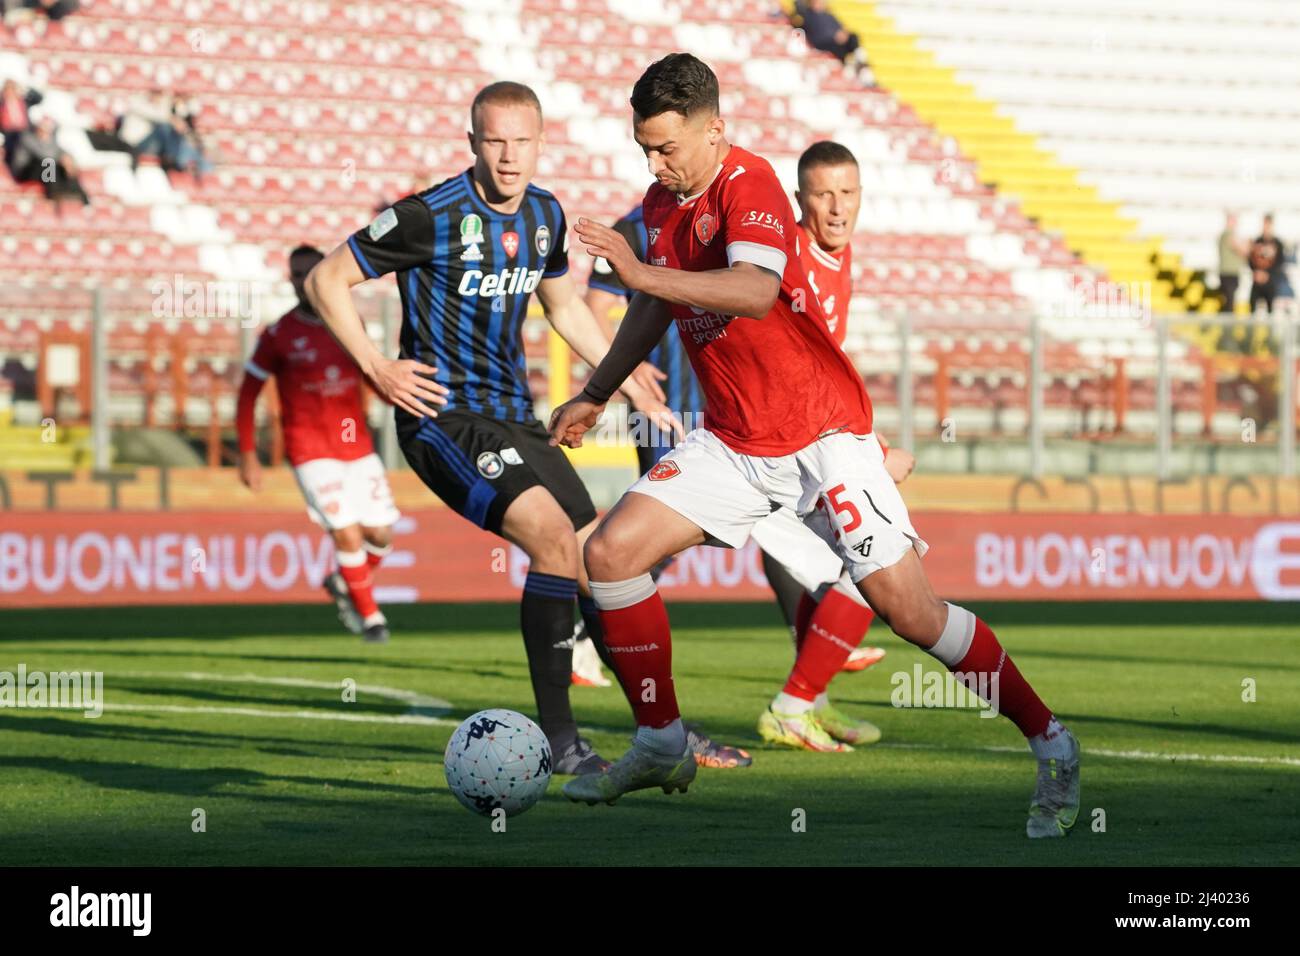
(239, 711)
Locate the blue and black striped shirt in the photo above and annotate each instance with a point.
(466, 274)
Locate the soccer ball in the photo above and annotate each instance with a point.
(498, 759)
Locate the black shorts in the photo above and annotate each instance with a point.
(479, 465)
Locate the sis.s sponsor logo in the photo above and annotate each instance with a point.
(767, 220)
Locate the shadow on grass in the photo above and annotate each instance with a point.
(1156, 817)
(106, 730)
(512, 668)
(1174, 659)
(316, 620)
(192, 782)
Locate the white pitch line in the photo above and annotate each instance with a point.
(290, 714)
(1124, 754)
(425, 708)
(420, 703)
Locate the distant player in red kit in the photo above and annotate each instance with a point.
(328, 443)
(829, 611)
(787, 424)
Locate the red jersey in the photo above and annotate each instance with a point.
(320, 390)
(773, 384)
(830, 278)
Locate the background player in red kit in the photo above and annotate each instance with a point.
(328, 444)
(788, 424)
(830, 611)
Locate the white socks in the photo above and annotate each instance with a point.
(785, 703)
(1052, 742)
(376, 550)
(668, 741)
(615, 595)
(955, 641)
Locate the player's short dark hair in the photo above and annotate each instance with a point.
(824, 153)
(503, 93)
(679, 83)
(306, 250)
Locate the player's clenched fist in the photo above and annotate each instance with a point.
(603, 242)
(404, 383)
(572, 420)
(899, 464)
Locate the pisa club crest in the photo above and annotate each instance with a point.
(664, 470)
(705, 227)
(489, 465)
(510, 243)
(542, 241)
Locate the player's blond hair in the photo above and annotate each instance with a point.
(503, 93)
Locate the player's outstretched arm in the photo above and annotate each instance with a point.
(570, 316)
(576, 324)
(401, 382)
(601, 304)
(645, 323)
(742, 289)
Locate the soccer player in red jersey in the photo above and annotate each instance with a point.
(328, 444)
(787, 424)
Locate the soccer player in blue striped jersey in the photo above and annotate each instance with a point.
(468, 254)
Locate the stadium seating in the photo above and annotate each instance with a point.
(1152, 103)
(318, 113)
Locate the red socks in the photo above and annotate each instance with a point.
(835, 627)
(987, 659)
(355, 570)
(638, 641)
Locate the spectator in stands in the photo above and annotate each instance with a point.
(1267, 259)
(14, 121)
(1232, 262)
(148, 128)
(189, 154)
(103, 136)
(54, 9)
(39, 158)
(824, 31)
(1284, 291)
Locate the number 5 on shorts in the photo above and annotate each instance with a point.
(843, 508)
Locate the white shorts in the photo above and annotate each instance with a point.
(340, 494)
(798, 549)
(837, 486)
